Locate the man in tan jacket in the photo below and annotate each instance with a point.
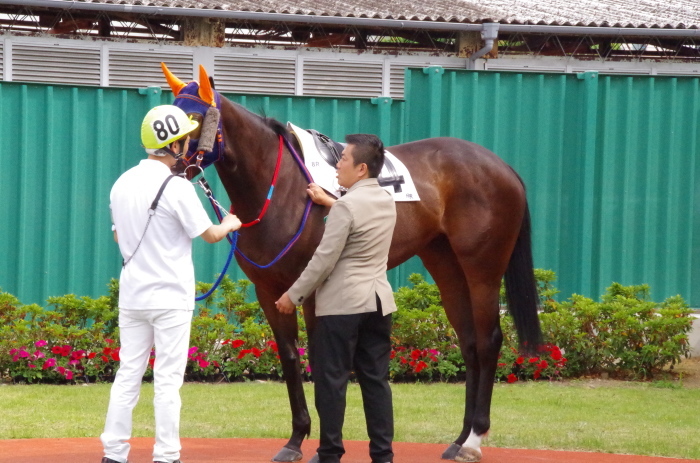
(354, 301)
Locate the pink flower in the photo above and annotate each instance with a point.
(302, 351)
(23, 353)
(32, 366)
(40, 343)
(203, 363)
(39, 355)
(193, 350)
(69, 374)
(48, 364)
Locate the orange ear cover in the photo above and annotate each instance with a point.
(175, 84)
(206, 93)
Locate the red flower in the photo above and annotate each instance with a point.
(236, 343)
(257, 352)
(203, 363)
(115, 355)
(151, 361)
(519, 360)
(403, 361)
(393, 354)
(244, 352)
(534, 359)
(556, 353)
(543, 364)
(501, 364)
(415, 355)
(92, 355)
(536, 374)
(109, 341)
(420, 366)
(273, 345)
(512, 378)
(107, 350)
(56, 350)
(105, 358)
(65, 351)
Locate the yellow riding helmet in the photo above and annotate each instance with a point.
(163, 125)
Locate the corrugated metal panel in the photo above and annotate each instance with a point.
(139, 68)
(346, 78)
(397, 70)
(609, 163)
(58, 64)
(66, 156)
(248, 74)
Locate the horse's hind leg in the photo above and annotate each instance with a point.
(285, 330)
(479, 338)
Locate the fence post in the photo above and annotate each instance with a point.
(152, 95)
(434, 74)
(590, 246)
(384, 115)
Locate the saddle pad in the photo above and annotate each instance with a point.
(323, 173)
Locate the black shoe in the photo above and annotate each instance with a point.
(109, 460)
(176, 461)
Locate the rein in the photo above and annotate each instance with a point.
(217, 207)
(268, 200)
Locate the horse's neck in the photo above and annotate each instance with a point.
(251, 151)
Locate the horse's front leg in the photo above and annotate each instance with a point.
(285, 329)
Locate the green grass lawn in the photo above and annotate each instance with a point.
(615, 417)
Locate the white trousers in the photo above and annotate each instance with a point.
(139, 331)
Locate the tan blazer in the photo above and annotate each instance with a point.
(349, 265)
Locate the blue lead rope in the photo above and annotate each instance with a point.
(233, 242)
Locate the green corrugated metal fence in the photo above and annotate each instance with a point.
(609, 163)
(65, 147)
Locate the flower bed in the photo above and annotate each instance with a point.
(624, 335)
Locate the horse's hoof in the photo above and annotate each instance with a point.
(314, 459)
(288, 454)
(468, 454)
(451, 452)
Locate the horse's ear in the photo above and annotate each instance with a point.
(206, 92)
(175, 84)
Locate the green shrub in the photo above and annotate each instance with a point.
(625, 335)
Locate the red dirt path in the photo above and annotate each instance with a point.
(89, 450)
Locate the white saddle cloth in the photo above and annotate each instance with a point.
(323, 174)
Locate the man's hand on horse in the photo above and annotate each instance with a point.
(319, 196)
(285, 305)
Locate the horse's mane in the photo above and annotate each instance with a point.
(276, 126)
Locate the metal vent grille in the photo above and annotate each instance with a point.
(342, 78)
(51, 63)
(253, 74)
(396, 74)
(135, 68)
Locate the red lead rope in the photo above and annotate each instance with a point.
(272, 188)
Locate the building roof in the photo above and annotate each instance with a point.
(676, 14)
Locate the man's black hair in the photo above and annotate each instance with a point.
(369, 149)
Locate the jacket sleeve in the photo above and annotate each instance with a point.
(338, 226)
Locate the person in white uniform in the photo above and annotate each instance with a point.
(156, 286)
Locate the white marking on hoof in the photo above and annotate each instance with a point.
(468, 454)
(471, 449)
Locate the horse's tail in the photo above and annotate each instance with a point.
(521, 289)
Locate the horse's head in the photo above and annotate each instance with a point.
(200, 101)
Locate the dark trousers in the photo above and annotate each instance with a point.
(341, 344)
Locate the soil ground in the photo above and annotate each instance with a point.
(89, 450)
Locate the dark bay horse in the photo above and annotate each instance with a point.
(470, 228)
